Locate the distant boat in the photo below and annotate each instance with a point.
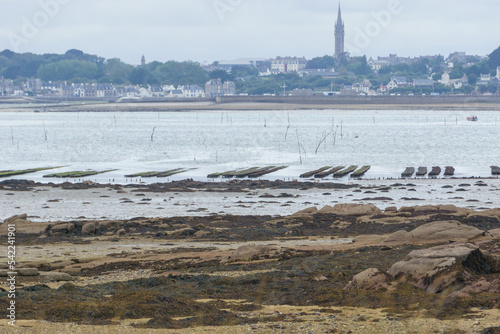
(40, 110)
(472, 119)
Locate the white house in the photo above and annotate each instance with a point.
(192, 91)
(106, 90)
(288, 64)
(397, 82)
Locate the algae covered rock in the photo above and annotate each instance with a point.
(370, 279)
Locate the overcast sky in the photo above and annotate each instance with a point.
(209, 30)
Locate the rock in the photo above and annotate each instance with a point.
(391, 209)
(495, 233)
(491, 330)
(183, 232)
(3, 272)
(306, 212)
(440, 267)
(53, 276)
(110, 225)
(399, 238)
(22, 225)
(28, 272)
(121, 232)
(349, 209)
(439, 231)
(406, 209)
(483, 285)
(89, 229)
(202, 234)
(370, 279)
(492, 216)
(66, 228)
(248, 252)
(16, 219)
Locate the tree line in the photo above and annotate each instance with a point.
(76, 66)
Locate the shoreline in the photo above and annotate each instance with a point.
(70, 201)
(255, 103)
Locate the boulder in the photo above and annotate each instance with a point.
(202, 234)
(406, 209)
(306, 212)
(54, 276)
(439, 231)
(28, 272)
(22, 225)
(440, 267)
(399, 238)
(391, 209)
(65, 228)
(3, 272)
(183, 232)
(89, 229)
(350, 209)
(370, 279)
(248, 252)
(110, 225)
(16, 219)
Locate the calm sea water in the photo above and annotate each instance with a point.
(218, 141)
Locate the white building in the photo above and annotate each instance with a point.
(229, 88)
(192, 91)
(106, 90)
(397, 82)
(288, 64)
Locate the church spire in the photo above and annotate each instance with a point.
(339, 35)
(339, 17)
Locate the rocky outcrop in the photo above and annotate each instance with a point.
(89, 228)
(306, 212)
(370, 279)
(439, 231)
(350, 209)
(441, 267)
(33, 275)
(249, 252)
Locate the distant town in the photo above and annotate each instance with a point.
(76, 75)
(452, 79)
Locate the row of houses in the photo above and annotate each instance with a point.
(35, 87)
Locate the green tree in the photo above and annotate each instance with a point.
(457, 72)
(324, 62)
(68, 70)
(116, 71)
(494, 59)
(472, 79)
(359, 66)
(242, 71)
(221, 74)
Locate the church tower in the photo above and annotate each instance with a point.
(339, 35)
(143, 60)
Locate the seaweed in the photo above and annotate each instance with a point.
(346, 171)
(79, 173)
(314, 172)
(422, 171)
(408, 172)
(7, 173)
(328, 172)
(360, 172)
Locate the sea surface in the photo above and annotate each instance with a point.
(211, 141)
